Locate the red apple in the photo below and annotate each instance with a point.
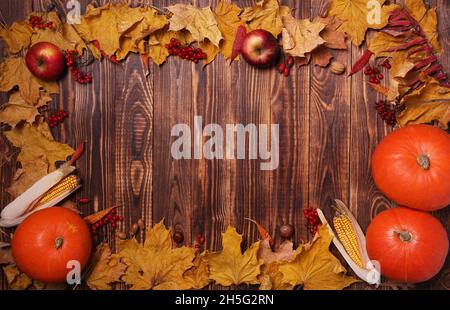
(46, 61)
(260, 48)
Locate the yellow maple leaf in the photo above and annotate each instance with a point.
(210, 49)
(17, 36)
(271, 277)
(427, 20)
(200, 22)
(106, 270)
(314, 267)
(107, 24)
(427, 104)
(228, 21)
(54, 35)
(14, 72)
(70, 34)
(132, 39)
(301, 36)
(158, 40)
(16, 280)
(17, 109)
(355, 14)
(198, 275)
(33, 144)
(32, 169)
(230, 266)
(155, 265)
(266, 14)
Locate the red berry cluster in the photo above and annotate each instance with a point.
(79, 76)
(312, 217)
(57, 118)
(386, 112)
(112, 218)
(185, 52)
(374, 73)
(38, 22)
(385, 63)
(285, 67)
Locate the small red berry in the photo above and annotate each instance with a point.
(286, 72)
(281, 67)
(290, 61)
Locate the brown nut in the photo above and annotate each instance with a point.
(337, 67)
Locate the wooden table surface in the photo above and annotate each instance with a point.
(328, 131)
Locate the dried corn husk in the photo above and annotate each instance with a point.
(24, 205)
(368, 273)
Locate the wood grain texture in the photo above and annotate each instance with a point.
(328, 131)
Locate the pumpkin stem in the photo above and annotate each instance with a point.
(404, 235)
(423, 161)
(59, 242)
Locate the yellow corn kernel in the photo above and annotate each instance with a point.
(344, 229)
(68, 183)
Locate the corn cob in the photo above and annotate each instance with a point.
(346, 234)
(68, 183)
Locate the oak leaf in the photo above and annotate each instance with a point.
(230, 266)
(301, 36)
(14, 72)
(17, 36)
(267, 15)
(314, 267)
(228, 21)
(33, 144)
(106, 270)
(198, 275)
(427, 104)
(200, 22)
(155, 265)
(354, 15)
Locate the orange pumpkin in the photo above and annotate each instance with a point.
(47, 240)
(411, 246)
(411, 166)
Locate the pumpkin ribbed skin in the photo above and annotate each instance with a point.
(47, 240)
(410, 245)
(411, 166)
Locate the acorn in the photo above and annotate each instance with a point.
(286, 231)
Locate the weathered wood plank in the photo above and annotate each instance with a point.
(329, 131)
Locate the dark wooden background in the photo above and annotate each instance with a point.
(328, 131)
